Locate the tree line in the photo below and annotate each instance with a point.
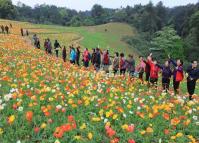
(160, 29)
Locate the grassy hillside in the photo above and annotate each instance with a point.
(90, 37)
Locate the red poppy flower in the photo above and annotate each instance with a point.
(36, 129)
(110, 132)
(130, 128)
(131, 141)
(66, 127)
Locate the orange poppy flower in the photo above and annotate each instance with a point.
(29, 116)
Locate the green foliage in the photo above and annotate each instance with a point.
(169, 42)
(139, 42)
(7, 9)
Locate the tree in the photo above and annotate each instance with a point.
(149, 19)
(194, 24)
(7, 9)
(162, 15)
(169, 42)
(98, 14)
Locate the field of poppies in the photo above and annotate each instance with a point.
(43, 100)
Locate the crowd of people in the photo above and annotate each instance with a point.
(101, 60)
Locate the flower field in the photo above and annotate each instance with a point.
(43, 100)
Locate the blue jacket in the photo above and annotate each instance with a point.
(193, 73)
(72, 55)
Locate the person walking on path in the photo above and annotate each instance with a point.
(93, 57)
(38, 43)
(97, 60)
(141, 68)
(122, 64)
(2, 29)
(7, 29)
(86, 58)
(27, 32)
(72, 55)
(46, 45)
(57, 47)
(131, 65)
(78, 55)
(22, 32)
(106, 61)
(116, 63)
(64, 54)
(49, 47)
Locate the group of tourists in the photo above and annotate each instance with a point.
(174, 68)
(5, 29)
(101, 60)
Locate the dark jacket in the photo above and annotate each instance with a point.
(166, 71)
(98, 58)
(147, 67)
(193, 73)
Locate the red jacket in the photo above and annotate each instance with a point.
(154, 69)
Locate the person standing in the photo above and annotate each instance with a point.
(97, 61)
(147, 70)
(27, 32)
(116, 63)
(141, 68)
(72, 55)
(56, 47)
(46, 45)
(122, 64)
(38, 43)
(22, 32)
(178, 75)
(86, 58)
(154, 69)
(2, 29)
(192, 76)
(78, 55)
(166, 75)
(106, 61)
(49, 46)
(93, 57)
(64, 54)
(34, 39)
(7, 29)
(131, 65)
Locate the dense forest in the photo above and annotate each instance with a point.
(160, 29)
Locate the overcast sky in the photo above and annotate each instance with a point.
(87, 4)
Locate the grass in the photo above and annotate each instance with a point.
(86, 36)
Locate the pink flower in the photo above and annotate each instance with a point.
(130, 128)
(131, 141)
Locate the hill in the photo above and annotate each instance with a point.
(107, 36)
